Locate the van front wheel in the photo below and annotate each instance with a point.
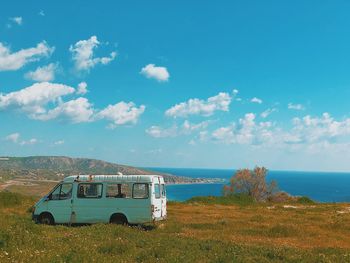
(46, 219)
(118, 219)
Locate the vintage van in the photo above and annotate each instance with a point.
(119, 199)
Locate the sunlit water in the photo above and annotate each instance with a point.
(322, 187)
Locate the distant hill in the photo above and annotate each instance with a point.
(57, 167)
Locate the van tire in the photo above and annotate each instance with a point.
(118, 219)
(46, 219)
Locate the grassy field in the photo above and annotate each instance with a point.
(201, 230)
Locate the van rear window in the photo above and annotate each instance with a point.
(157, 190)
(118, 191)
(162, 189)
(88, 190)
(140, 191)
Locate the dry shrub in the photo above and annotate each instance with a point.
(253, 183)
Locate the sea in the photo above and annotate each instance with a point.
(319, 186)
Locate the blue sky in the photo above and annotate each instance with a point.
(222, 85)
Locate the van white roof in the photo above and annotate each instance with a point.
(115, 178)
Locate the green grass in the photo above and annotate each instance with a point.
(9, 199)
(237, 199)
(23, 241)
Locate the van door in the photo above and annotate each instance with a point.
(59, 203)
(163, 194)
(88, 206)
(157, 201)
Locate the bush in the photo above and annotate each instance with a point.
(281, 197)
(305, 200)
(252, 183)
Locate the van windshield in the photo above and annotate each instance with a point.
(62, 192)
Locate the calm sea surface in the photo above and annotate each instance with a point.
(323, 187)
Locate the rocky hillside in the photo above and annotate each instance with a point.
(57, 167)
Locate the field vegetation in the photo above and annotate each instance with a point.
(204, 229)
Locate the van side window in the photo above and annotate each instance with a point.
(162, 189)
(89, 190)
(62, 192)
(140, 191)
(157, 190)
(118, 191)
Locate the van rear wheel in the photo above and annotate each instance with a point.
(46, 219)
(119, 219)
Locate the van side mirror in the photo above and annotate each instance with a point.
(49, 197)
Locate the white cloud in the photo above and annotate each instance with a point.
(247, 131)
(292, 106)
(159, 73)
(76, 111)
(43, 101)
(32, 100)
(82, 88)
(83, 54)
(188, 127)
(41, 74)
(60, 142)
(256, 100)
(173, 131)
(29, 142)
(309, 129)
(13, 137)
(196, 106)
(312, 134)
(41, 13)
(159, 132)
(16, 20)
(16, 60)
(121, 113)
(268, 112)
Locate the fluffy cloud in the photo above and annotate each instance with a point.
(76, 111)
(43, 101)
(188, 127)
(246, 131)
(32, 100)
(292, 106)
(196, 106)
(256, 100)
(13, 137)
(83, 54)
(41, 74)
(82, 88)
(309, 129)
(16, 60)
(121, 113)
(159, 73)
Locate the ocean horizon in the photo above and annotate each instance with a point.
(319, 186)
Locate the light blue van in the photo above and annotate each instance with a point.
(119, 199)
